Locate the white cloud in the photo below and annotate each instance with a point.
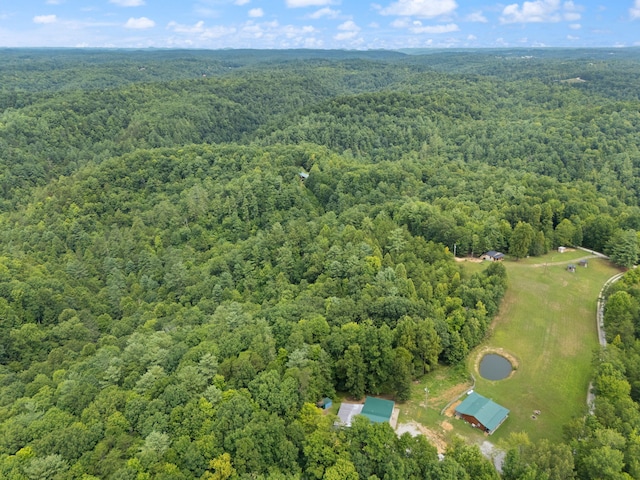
(285, 35)
(571, 37)
(634, 11)
(197, 28)
(218, 31)
(571, 11)
(256, 13)
(307, 3)
(127, 3)
(575, 26)
(350, 26)
(242, 2)
(345, 36)
(348, 31)
(476, 17)
(54, 2)
(140, 23)
(206, 12)
(44, 19)
(197, 34)
(417, 27)
(448, 28)
(271, 34)
(530, 12)
(540, 11)
(325, 12)
(401, 23)
(313, 42)
(421, 8)
(471, 37)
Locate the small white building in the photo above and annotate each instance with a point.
(347, 412)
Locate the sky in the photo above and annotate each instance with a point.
(326, 24)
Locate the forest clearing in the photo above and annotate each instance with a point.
(547, 324)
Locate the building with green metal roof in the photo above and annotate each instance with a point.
(378, 410)
(481, 412)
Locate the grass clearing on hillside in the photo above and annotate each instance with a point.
(547, 321)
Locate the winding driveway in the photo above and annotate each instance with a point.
(591, 397)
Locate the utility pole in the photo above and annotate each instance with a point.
(455, 247)
(426, 396)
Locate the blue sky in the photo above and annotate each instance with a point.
(348, 24)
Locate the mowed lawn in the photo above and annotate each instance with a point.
(547, 320)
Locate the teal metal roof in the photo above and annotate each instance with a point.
(486, 411)
(378, 410)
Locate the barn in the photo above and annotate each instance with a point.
(481, 412)
(378, 410)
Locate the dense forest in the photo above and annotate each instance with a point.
(197, 246)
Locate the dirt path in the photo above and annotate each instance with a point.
(456, 393)
(491, 452)
(415, 429)
(564, 262)
(468, 259)
(591, 396)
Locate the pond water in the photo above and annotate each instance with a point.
(495, 367)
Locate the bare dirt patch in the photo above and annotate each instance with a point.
(451, 409)
(494, 454)
(468, 259)
(446, 426)
(415, 429)
(450, 394)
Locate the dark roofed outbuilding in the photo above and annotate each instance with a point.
(493, 256)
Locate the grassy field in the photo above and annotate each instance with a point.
(547, 322)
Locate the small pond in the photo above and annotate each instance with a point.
(495, 367)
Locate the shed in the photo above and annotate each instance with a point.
(562, 249)
(571, 268)
(303, 176)
(481, 412)
(325, 403)
(583, 263)
(493, 256)
(378, 410)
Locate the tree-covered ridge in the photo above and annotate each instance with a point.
(175, 279)
(374, 110)
(549, 130)
(50, 133)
